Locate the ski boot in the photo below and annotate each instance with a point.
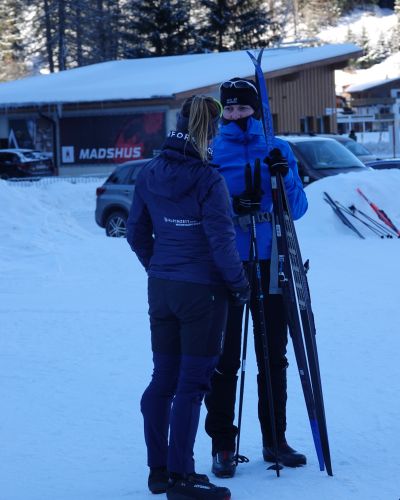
(224, 464)
(286, 455)
(193, 487)
(158, 479)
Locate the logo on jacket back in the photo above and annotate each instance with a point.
(179, 135)
(182, 222)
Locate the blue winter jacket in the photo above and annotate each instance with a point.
(180, 222)
(233, 148)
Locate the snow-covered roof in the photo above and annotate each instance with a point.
(370, 85)
(153, 77)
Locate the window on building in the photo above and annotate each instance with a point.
(275, 122)
(307, 124)
(327, 124)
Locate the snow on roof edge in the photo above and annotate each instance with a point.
(152, 78)
(359, 87)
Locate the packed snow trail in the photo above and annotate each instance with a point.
(75, 354)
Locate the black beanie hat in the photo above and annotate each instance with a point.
(247, 95)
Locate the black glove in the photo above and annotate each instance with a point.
(240, 296)
(246, 203)
(250, 200)
(277, 163)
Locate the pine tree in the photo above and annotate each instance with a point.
(159, 28)
(236, 24)
(319, 13)
(364, 61)
(350, 36)
(255, 26)
(214, 19)
(395, 38)
(12, 49)
(381, 51)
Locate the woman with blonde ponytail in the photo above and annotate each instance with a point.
(180, 228)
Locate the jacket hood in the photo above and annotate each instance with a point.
(176, 170)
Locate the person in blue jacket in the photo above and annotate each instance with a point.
(241, 141)
(180, 228)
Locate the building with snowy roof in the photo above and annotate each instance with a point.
(375, 107)
(95, 116)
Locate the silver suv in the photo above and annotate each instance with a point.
(114, 198)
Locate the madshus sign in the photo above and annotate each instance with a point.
(111, 139)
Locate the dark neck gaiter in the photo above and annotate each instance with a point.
(241, 122)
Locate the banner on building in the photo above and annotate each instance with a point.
(111, 139)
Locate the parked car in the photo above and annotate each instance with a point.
(356, 148)
(17, 163)
(318, 157)
(114, 198)
(384, 164)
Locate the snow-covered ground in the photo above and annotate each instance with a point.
(376, 22)
(75, 354)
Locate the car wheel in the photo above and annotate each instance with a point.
(116, 225)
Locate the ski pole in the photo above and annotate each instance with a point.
(238, 457)
(383, 227)
(378, 231)
(254, 187)
(263, 335)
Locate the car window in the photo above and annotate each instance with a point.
(356, 148)
(119, 176)
(133, 173)
(323, 154)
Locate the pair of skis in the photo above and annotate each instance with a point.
(296, 295)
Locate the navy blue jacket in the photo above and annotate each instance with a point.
(233, 148)
(180, 224)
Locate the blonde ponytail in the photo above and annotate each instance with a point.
(203, 117)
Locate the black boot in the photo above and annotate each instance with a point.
(192, 487)
(158, 479)
(224, 464)
(286, 455)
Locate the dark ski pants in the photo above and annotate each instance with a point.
(220, 402)
(187, 330)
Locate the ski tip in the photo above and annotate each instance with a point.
(259, 57)
(256, 60)
(251, 57)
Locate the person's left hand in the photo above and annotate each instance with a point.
(277, 163)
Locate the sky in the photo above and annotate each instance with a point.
(75, 353)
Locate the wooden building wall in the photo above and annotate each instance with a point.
(302, 94)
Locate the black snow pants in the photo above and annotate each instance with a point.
(220, 402)
(187, 323)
